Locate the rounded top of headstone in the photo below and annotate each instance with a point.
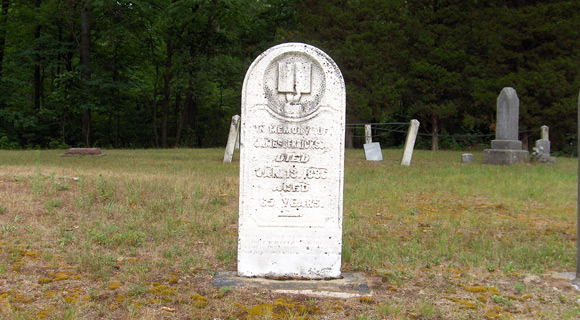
(509, 92)
(295, 77)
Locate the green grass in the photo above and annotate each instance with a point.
(153, 218)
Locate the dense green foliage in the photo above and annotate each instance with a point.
(165, 73)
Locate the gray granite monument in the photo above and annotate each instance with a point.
(506, 149)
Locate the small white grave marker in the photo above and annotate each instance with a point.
(373, 151)
(467, 157)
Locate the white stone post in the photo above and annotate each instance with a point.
(410, 143)
(238, 138)
(545, 134)
(232, 137)
(368, 134)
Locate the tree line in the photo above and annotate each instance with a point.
(168, 73)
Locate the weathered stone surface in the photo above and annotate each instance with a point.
(232, 139)
(467, 157)
(292, 165)
(83, 152)
(543, 147)
(504, 157)
(506, 144)
(410, 143)
(542, 152)
(506, 149)
(368, 134)
(544, 133)
(508, 112)
(373, 151)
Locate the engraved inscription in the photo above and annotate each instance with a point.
(289, 129)
(292, 157)
(276, 143)
(291, 203)
(291, 187)
(301, 203)
(277, 172)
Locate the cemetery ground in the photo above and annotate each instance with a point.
(138, 234)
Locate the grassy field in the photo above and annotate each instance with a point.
(138, 234)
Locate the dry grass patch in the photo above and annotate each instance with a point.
(138, 235)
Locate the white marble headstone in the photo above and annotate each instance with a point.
(292, 165)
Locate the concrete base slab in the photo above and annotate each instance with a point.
(565, 275)
(504, 157)
(569, 276)
(350, 285)
(548, 160)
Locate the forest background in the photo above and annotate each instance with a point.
(169, 73)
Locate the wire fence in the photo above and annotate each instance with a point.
(394, 133)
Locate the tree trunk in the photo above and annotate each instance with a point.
(166, 91)
(154, 102)
(525, 141)
(3, 19)
(176, 109)
(435, 137)
(37, 76)
(86, 63)
(185, 114)
(348, 139)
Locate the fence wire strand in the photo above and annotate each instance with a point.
(401, 124)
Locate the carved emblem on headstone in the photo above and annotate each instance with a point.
(294, 84)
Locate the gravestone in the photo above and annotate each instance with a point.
(95, 152)
(542, 149)
(410, 143)
(373, 151)
(291, 165)
(232, 139)
(467, 157)
(506, 149)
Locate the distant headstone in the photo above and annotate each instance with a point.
(506, 149)
(410, 143)
(373, 151)
(467, 157)
(83, 152)
(542, 149)
(368, 134)
(292, 165)
(232, 139)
